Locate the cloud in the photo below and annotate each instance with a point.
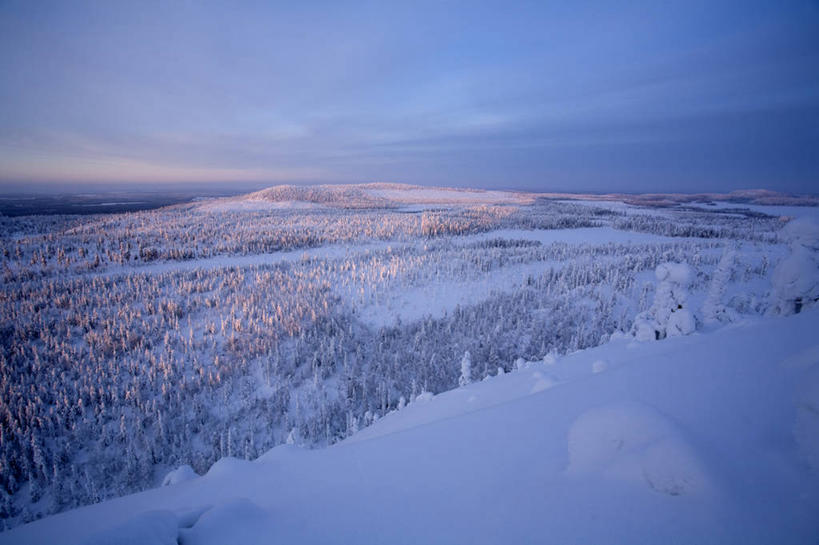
(460, 93)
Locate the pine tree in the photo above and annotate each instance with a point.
(466, 369)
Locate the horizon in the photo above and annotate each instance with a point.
(234, 188)
(687, 97)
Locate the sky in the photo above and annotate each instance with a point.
(641, 96)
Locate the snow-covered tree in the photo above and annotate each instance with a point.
(796, 279)
(714, 309)
(466, 369)
(669, 314)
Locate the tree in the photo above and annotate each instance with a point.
(466, 369)
(713, 309)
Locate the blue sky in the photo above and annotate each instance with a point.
(586, 96)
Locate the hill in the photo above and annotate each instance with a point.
(701, 439)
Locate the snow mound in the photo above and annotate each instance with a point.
(179, 475)
(236, 521)
(279, 453)
(633, 442)
(226, 465)
(148, 528)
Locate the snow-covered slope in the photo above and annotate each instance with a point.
(361, 196)
(709, 438)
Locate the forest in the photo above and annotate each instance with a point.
(133, 343)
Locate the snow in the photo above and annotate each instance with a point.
(236, 521)
(329, 251)
(582, 235)
(706, 438)
(670, 314)
(806, 428)
(448, 196)
(681, 322)
(561, 443)
(633, 442)
(621, 207)
(148, 528)
(407, 304)
(803, 231)
(771, 210)
(796, 278)
(722, 207)
(713, 309)
(594, 235)
(675, 273)
(438, 298)
(599, 366)
(253, 205)
(179, 475)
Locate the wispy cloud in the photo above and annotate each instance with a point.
(463, 93)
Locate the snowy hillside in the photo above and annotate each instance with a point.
(709, 438)
(133, 344)
(363, 196)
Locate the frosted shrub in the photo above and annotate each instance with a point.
(669, 314)
(796, 279)
(466, 369)
(713, 309)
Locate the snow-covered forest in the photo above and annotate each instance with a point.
(132, 344)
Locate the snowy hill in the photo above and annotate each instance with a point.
(362, 196)
(709, 438)
(134, 344)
